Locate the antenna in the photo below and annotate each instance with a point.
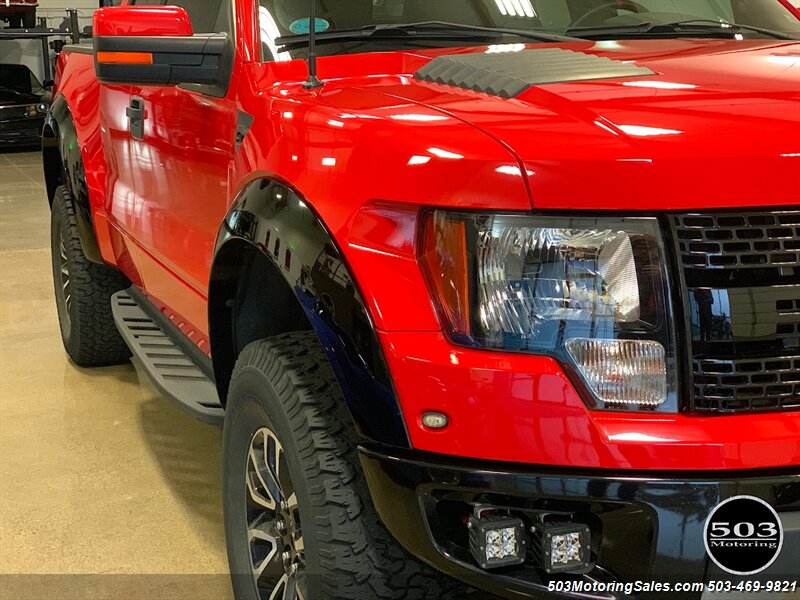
(313, 81)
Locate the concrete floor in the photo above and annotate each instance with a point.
(106, 490)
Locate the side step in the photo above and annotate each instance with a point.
(171, 369)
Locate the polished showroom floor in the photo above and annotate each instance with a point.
(104, 486)
(107, 492)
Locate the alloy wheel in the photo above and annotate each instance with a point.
(274, 534)
(63, 284)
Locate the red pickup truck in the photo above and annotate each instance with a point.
(493, 293)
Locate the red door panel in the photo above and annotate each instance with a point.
(181, 178)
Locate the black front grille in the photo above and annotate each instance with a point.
(739, 241)
(19, 135)
(9, 113)
(742, 276)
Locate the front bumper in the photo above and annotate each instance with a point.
(21, 132)
(524, 409)
(646, 527)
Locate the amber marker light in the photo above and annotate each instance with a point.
(444, 258)
(126, 58)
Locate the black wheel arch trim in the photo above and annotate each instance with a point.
(63, 165)
(273, 220)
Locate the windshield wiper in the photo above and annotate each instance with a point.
(706, 26)
(430, 30)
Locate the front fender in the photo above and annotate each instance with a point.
(272, 218)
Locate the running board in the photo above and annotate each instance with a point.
(169, 367)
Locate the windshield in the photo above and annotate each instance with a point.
(287, 17)
(19, 78)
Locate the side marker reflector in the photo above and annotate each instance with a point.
(435, 420)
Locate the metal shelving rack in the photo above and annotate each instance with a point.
(44, 33)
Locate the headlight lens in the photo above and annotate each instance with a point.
(35, 110)
(592, 292)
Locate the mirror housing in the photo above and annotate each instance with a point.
(154, 45)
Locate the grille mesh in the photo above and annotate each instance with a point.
(739, 241)
(8, 113)
(748, 360)
(747, 385)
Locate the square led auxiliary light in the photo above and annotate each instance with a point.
(561, 547)
(497, 541)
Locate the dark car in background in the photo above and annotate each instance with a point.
(18, 13)
(23, 105)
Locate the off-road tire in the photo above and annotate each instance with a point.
(87, 326)
(286, 383)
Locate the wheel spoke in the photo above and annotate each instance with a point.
(256, 536)
(291, 503)
(61, 275)
(299, 542)
(288, 588)
(277, 548)
(265, 559)
(257, 485)
(290, 591)
(300, 577)
(280, 587)
(273, 457)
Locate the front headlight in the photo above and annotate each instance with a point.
(592, 292)
(35, 110)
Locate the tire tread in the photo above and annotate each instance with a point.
(93, 340)
(359, 559)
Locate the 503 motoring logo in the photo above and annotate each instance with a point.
(743, 535)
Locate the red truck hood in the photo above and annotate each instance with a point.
(717, 125)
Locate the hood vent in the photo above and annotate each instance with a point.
(508, 74)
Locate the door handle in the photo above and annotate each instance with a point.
(136, 116)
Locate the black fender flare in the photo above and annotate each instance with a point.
(60, 145)
(274, 220)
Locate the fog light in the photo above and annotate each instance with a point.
(622, 372)
(497, 541)
(562, 547)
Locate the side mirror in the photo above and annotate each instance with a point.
(154, 45)
(48, 84)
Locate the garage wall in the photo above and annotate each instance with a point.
(55, 10)
(29, 52)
